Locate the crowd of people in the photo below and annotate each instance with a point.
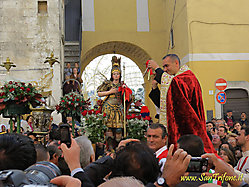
(149, 163)
(225, 136)
(72, 79)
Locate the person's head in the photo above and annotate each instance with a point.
(118, 135)
(213, 120)
(76, 64)
(68, 65)
(67, 77)
(238, 153)
(42, 153)
(224, 145)
(229, 113)
(209, 125)
(75, 71)
(243, 115)
(171, 64)
(216, 140)
(231, 139)
(54, 134)
(227, 156)
(222, 131)
(157, 136)
(213, 131)
(138, 160)
(243, 138)
(55, 143)
(16, 152)
(30, 119)
(69, 119)
(87, 154)
(109, 133)
(54, 154)
(237, 126)
(192, 144)
(33, 137)
(219, 122)
(122, 182)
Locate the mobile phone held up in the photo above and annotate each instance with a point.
(65, 135)
(198, 164)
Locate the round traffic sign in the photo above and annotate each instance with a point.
(221, 97)
(221, 84)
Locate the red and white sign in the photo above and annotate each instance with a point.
(221, 84)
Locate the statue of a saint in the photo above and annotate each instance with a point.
(112, 104)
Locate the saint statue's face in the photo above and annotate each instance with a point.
(116, 75)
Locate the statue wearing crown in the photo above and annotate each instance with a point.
(112, 90)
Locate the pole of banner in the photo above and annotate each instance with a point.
(125, 134)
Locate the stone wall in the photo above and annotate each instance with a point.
(28, 37)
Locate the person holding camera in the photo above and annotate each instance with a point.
(18, 166)
(16, 152)
(130, 151)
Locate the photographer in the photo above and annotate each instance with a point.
(194, 146)
(18, 166)
(16, 152)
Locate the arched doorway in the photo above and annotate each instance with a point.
(136, 53)
(99, 70)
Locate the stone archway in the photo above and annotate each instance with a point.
(135, 53)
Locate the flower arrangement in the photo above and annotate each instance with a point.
(72, 104)
(94, 127)
(137, 126)
(19, 93)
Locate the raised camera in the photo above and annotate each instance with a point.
(197, 164)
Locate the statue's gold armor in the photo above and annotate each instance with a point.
(112, 105)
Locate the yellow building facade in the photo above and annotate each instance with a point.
(210, 36)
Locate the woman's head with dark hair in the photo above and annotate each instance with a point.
(16, 152)
(236, 125)
(226, 145)
(138, 160)
(238, 152)
(227, 156)
(30, 117)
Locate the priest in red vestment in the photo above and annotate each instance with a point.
(181, 105)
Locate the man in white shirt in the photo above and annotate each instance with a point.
(243, 141)
(243, 164)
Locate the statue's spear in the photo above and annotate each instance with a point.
(124, 103)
